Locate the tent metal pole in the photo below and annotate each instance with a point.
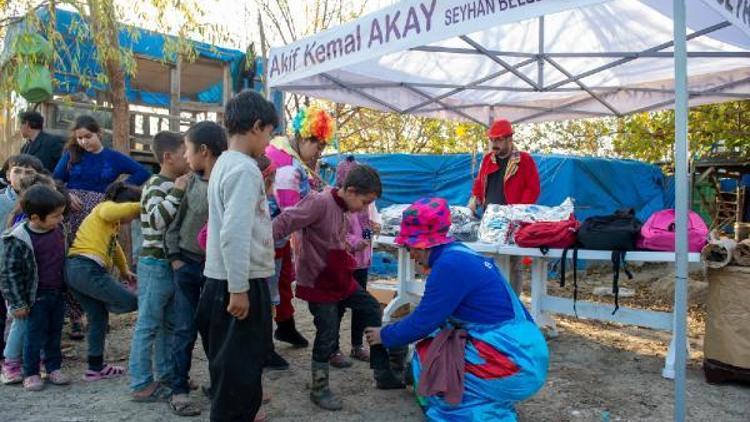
(360, 92)
(585, 55)
(499, 61)
(662, 46)
(563, 107)
(444, 105)
(465, 87)
(593, 95)
(681, 206)
(540, 63)
(692, 94)
(583, 113)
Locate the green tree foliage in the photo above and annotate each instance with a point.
(714, 129)
(364, 130)
(102, 21)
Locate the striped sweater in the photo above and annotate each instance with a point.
(159, 204)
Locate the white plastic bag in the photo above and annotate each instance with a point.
(499, 222)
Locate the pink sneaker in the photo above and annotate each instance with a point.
(58, 378)
(11, 372)
(33, 383)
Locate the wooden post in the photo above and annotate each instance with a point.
(175, 76)
(227, 84)
(226, 95)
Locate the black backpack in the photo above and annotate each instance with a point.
(617, 233)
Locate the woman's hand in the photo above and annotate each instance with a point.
(372, 334)
(76, 205)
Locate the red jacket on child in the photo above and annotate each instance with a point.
(521, 184)
(323, 265)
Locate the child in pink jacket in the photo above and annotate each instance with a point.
(359, 243)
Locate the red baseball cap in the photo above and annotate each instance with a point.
(500, 129)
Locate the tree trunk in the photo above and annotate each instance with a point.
(120, 112)
(104, 27)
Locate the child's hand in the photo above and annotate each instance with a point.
(363, 244)
(177, 264)
(21, 313)
(375, 227)
(239, 305)
(182, 181)
(372, 334)
(131, 278)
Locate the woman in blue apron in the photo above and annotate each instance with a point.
(478, 351)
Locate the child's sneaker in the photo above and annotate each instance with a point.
(107, 372)
(338, 360)
(33, 383)
(58, 378)
(11, 372)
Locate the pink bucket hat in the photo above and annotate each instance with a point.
(425, 224)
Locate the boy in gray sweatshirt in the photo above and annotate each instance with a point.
(234, 312)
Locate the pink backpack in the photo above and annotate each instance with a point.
(658, 232)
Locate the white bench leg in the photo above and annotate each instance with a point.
(668, 371)
(503, 263)
(538, 293)
(405, 275)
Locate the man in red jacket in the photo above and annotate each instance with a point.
(506, 177)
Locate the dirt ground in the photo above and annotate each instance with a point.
(598, 372)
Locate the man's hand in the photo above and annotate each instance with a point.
(239, 305)
(182, 181)
(372, 334)
(375, 227)
(21, 313)
(473, 207)
(177, 264)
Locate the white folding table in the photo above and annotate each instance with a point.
(410, 289)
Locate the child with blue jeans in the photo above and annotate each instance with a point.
(153, 332)
(204, 143)
(19, 166)
(95, 254)
(32, 279)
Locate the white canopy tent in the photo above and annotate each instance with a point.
(608, 58)
(536, 60)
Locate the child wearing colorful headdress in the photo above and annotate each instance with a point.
(294, 159)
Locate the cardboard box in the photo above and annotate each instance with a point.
(383, 290)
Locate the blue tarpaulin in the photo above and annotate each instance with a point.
(597, 185)
(78, 58)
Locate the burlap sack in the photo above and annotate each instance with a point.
(728, 318)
